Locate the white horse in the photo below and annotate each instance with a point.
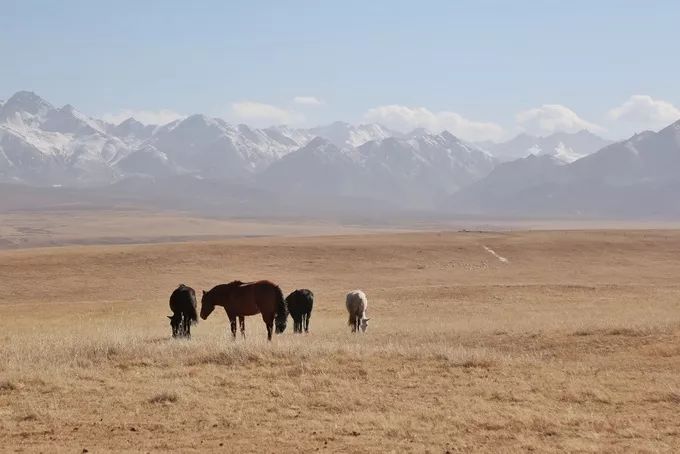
(357, 304)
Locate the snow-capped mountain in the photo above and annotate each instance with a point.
(343, 134)
(132, 131)
(319, 168)
(411, 172)
(644, 157)
(339, 164)
(424, 167)
(44, 145)
(633, 178)
(290, 136)
(214, 148)
(566, 147)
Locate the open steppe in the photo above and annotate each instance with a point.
(22, 229)
(572, 344)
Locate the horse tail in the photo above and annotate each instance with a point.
(352, 319)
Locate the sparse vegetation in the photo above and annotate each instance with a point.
(164, 398)
(6, 385)
(568, 348)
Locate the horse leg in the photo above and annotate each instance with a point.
(232, 322)
(269, 321)
(185, 326)
(242, 324)
(307, 315)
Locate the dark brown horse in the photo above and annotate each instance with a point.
(299, 304)
(241, 299)
(183, 307)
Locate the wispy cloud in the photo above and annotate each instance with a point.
(148, 117)
(645, 112)
(550, 118)
(404, 118)
(261, 114)
(307, 100)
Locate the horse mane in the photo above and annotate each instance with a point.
(281, 304)
(235, 283)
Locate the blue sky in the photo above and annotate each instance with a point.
(479, 68)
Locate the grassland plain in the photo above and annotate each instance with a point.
(573, 344)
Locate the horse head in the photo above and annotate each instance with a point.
(364, 324)
(206, 306)
(175, 324)
(280, 322)
(281, 318)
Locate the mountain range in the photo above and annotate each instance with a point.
(566, 147)
(43, 145)
(634, 178)
(342, 165)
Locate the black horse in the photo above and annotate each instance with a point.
(300, 304)
(183, 307)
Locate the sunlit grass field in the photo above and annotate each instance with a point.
(572, 344)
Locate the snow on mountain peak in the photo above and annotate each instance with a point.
(346, 135)
(24, 109)
(27, 101)
(567, 147)
(130, 122)
(41, 144)
(321, 144)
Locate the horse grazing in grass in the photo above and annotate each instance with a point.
(299, 305)
(357, 304)
(241, 299)
(183, 307)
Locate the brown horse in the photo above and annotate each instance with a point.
(241, 299)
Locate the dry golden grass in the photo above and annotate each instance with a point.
(128, 226)
(574, 345)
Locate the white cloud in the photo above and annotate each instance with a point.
(307, 100)
(550, 118)
(405, 119)
(260, 114)
(148, 117)
(645, 112)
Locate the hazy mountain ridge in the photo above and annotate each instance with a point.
(413, 172)
(638, 177)
(343, 134)
(338, 165)
(44, 145)
(566, 147)
(41, 144)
